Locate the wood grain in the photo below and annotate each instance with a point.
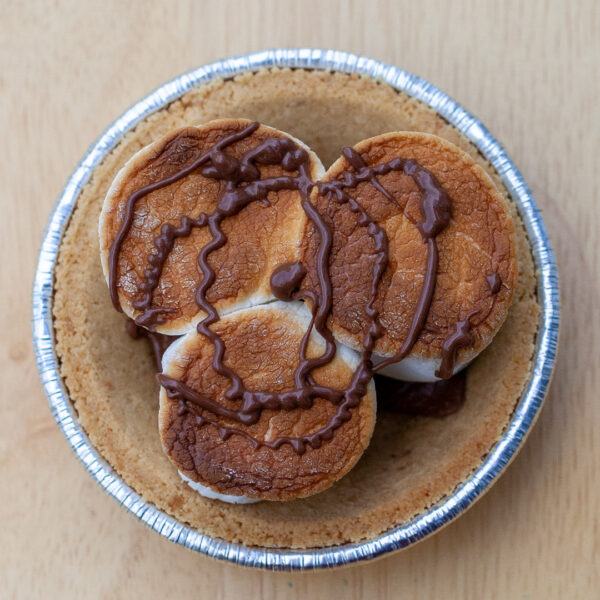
(529, 70)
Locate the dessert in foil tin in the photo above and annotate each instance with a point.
(311, 327)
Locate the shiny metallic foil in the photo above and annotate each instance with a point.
(407, 533)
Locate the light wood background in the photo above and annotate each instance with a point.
(529, 70)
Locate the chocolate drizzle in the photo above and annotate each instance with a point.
(460, 337)
(159, 341)
(286, 280)
(243, 186)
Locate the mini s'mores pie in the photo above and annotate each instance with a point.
(175, 198)
(262, 423)
(411, 463)
(423, 246)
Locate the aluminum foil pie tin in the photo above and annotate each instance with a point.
(407, 533)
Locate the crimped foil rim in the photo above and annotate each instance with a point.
(401, 536)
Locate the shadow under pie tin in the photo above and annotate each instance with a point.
(425, 523)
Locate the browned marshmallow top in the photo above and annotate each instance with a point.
(386, 266)
(262, 347)
(155, 267)
(476, 271)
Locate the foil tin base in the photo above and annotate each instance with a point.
(407, 533)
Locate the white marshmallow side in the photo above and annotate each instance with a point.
(209, 493)
(414, 369)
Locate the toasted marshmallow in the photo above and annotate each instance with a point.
(476, 270)
(259, 237)
(227, 456)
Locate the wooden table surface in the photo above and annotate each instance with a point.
(529, 70)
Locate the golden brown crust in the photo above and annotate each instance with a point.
(259, 237)
(262, 345)
(478, 241)
(409, 464)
